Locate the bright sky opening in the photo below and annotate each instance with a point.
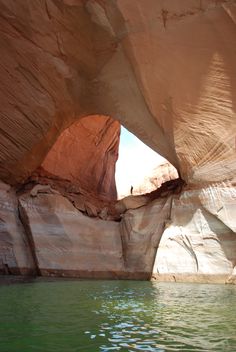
(136, 161)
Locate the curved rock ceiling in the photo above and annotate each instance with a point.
(166, 71)
(86, 154)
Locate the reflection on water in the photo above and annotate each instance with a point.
(117, 316)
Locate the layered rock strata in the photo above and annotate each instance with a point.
(167, 71)
(63, 241)
(15, 250)
(163, 238)
(199, 241)
(86, 154)
(159, 175)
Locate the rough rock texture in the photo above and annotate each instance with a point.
(51, 52)
(159, 175)
(164, 191)
(199, 239)
(86, 201)
(86, 154)
(183, 54)
(141, 230)
(67, 243)
(181, 237)
(170, 234)
(166, 70)
(15, 253)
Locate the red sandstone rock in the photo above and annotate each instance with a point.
(170, 79)
(159, 175)
(86, 154)
(50, 53)
(88, 202)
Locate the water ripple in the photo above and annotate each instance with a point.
(117, 316)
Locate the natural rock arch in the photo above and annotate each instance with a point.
(170, 80)
(86, 153)
(78, 58)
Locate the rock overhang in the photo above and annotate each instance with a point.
(166, 71)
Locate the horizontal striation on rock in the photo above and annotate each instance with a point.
(167, 72)
(86, 154)
(47, 59)
(199, 238)
(67, 241)
(15, 252)
(177, 237)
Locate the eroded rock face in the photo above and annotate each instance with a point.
(167, 239)
(15, 253)
(199, 240)
(159, 175)
(86, 201)
(67, 243)
(86, 154)
(186, 73)
(50, 53)
(167, 72)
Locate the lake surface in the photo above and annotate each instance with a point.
(70, 316)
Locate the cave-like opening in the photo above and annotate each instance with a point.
(106, 161)
(85, 154)
(139, 169)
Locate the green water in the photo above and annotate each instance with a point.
(70, 316)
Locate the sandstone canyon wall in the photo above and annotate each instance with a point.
(179, 237)
(86, 154)
(166, 70)
(159, 175)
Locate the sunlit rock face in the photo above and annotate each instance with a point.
(159, 175)
(86, 154)
(184, 61)
(65, 242)
(199, 238)
(187, 237)
(167, 71)
(68, 243)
